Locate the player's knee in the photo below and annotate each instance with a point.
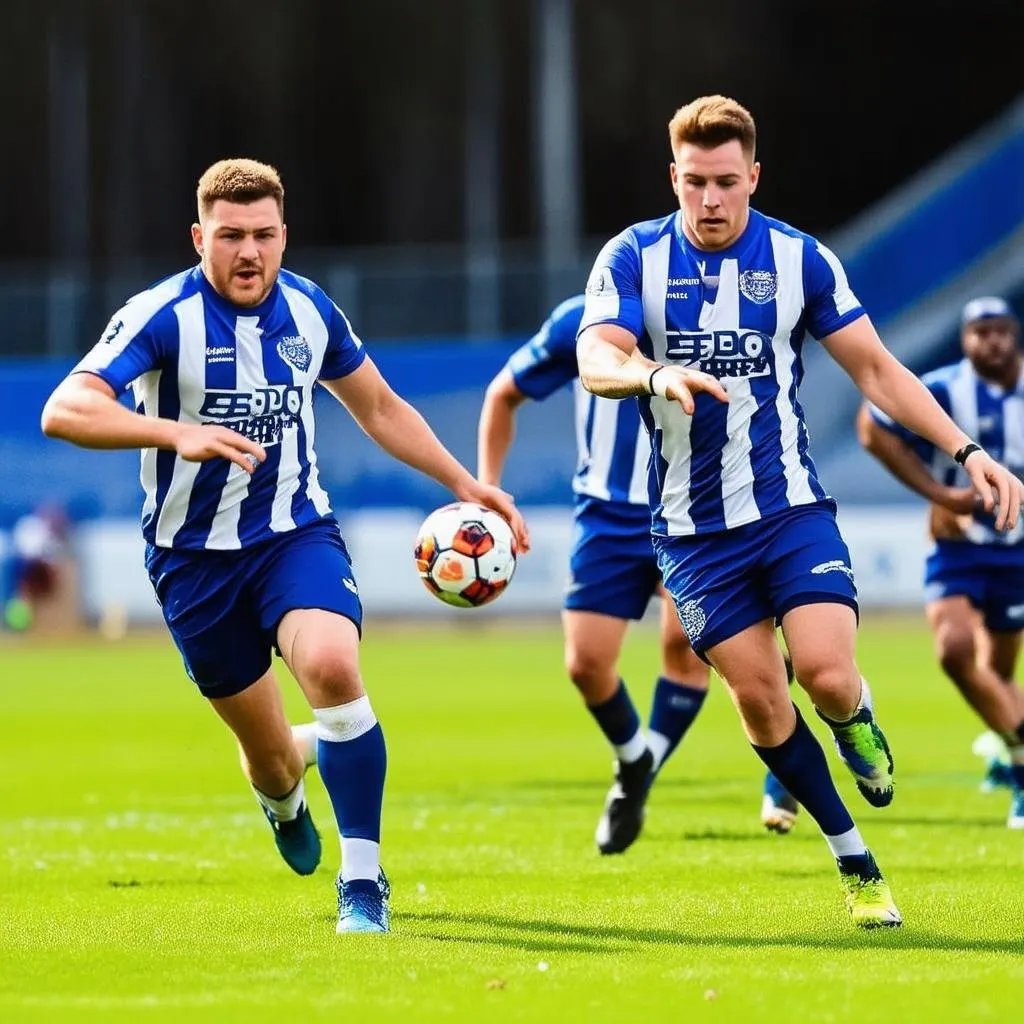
(955, 648)
(830, 682)
(585, 670)
(759, 703)
(581, 667)
(332, 672)
(682, 664)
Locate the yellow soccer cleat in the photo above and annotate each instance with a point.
(868, 896)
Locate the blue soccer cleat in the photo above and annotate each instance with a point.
(991, 747)
(297, 841)
(363, 905)
(864, 750)
(1016, 816)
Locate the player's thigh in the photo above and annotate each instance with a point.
(752, 667)
(210, 618)
(821, 638)
(257, 718)
(322, 650)
(680, 662)
(593, 642)
(309, 604)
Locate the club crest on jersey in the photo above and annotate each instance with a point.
(296, 351)
(759, 286)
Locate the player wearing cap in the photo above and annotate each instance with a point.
(974, 575)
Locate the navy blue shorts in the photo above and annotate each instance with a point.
(724, 582)
(989, 576)
(612, 569)
(223, 607)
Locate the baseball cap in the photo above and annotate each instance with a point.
(985, 308)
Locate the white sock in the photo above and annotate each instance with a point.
(849, 844)
(287, 807)
(360, 858)
(345, 721)
(658, 745)
(304, 736)
(633, 749)
(865, 696)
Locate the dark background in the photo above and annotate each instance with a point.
(361, 106)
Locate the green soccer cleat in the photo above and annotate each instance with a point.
(868, 897)
(862, 746)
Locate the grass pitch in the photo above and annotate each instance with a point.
(139, 882)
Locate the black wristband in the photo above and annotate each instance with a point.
(968, 449)
(650, 380)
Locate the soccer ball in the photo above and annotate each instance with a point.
(465, 554)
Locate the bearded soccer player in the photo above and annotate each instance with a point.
(702, 314)
(243, 551)
(974, 575)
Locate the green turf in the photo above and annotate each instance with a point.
(139, 882)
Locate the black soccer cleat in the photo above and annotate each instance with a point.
(623, 816)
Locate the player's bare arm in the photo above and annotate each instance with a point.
(612, 367)
(886, 382)
(497, 427)
(402, 432)
(84, 411)
(907, 466)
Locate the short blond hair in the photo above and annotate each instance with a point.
(239, 180)
(711, 121)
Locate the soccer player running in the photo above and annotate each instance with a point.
(242, 549)
(974, 574)
(703, 313)
(613, 569)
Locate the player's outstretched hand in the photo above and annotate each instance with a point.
(680, 385)
(988, 476)
(502, 503)
(200, 442)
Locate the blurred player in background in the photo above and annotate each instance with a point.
(243, 550)
(702, 314)
(974, 575)
(613, 570)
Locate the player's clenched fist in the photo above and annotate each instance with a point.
(199, 442)
(680, 385)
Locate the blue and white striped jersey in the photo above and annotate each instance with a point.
(740, 314)
(612, 448)
(985, 412)
(192, 356)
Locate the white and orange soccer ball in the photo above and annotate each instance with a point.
(465, 554)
